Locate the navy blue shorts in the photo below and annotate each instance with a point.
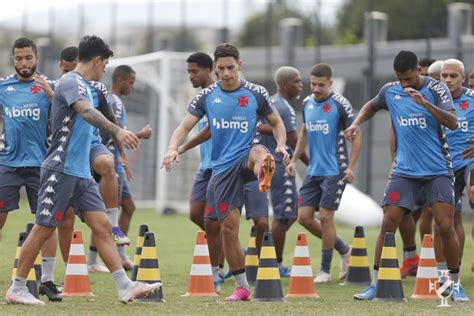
(59, 191)
(256, 202)
(325, 192)
(420, 199)
(461, 180)
(284, 195)
(11, 180)
(199, 188)
(225, 190)
(401, 191)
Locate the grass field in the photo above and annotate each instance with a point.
(175, 237)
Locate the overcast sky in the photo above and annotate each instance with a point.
(166, 12)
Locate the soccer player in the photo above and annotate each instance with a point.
(419, 106)
(123, 80)
(434, 71)
(231, 106)
(452, 74)
(66, 177)
(284, 195)
(25, 105)
(470, 82)
(425, 63)
(68, 59)
(325, 116)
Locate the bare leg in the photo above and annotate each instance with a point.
(261, 226)
(125, 218)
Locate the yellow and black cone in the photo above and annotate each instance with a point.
(138, 251)
(268, 286)
(251, 257)
(359, 271)
(37, 264)
(31, 278)
(389, 281)
(149, 269)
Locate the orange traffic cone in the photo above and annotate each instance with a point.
(31, 281)
(76, 280)
(301, 281)
(201, 281)
(427, 274)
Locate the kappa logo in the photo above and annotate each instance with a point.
(217, 100)
(397, 97)
(45, 212)
(63, 139)
(9, 89)
(60, 149)
(47, 200)
(50, 189)
(66, 119)
(65, 129)
(57, 158)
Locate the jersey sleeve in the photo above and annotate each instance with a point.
(379, 100)
(264, 103)
(305, 101)
(442, 96)
(72, 90)
(288, 117)
(345, 110)
(196, 107)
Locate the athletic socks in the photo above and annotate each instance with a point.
(121, 279)
(47, 267)
(341, 246)
(326, 260)
(112, 214)
(92, 257)
(241, 279)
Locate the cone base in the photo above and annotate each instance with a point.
(391, 299)
(213, 294)
(82, 294)
(276, 299)
(309, 295)
(425, 296)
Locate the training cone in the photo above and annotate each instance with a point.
(37, 264)
(301, 280)
(149, 269)
(31, 282)
(389, 282)
(76, 280)
(136, 259)
(268, 286)
(201, 281)
(359, 271)
(251, 257)
(427, 274)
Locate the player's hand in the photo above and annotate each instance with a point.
(44, 85)
(282, 151)
(415, 95)
(171, 156)
(127, 138)
(469, 151)
(349, 176)
(351, 132)
(291, 168)
(146, 131)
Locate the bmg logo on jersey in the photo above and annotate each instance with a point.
(318, 126)
(414, 119)
(463, 124)
(29, 110)
(238, 122)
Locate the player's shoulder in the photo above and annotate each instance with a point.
(255, 89)
(99, 86)
(8, 79)
(468, 93)
(202, 94)
(340, 99)
(308, 99)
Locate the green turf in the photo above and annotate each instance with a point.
(175, 237)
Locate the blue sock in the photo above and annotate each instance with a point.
(326, 260)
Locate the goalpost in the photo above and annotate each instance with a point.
(162, 93)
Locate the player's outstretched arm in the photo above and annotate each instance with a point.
(177, 138)
(200, 138)
(97, 119)
(365, 113)
(279, 132)
(145, 132)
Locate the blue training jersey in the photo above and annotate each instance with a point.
(24, 111)
(120, 114)
(421, 146)
(325, 123)
(464, 105)
(232, 117)
(205, 149)
(71, 143)
(288, 116)
(99, 99)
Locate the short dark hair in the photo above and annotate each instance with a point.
(471, 75)
(405, 61)
(321, 70)
(93, 46)
(201, 59)
(226, 50)
(23, 42)
(69, 53)
(426, 61)
(122, 71)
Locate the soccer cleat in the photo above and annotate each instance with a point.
(458, 294)
(97, 268)
(367, 295)
(22, 297)
(345, 264)
(51, 291)
(322, 277)
(409, 266)
(240, 294)
(265, 173)
(217, 286)
(127, 264)
(138, 289)
(119, 237)
(285, 272)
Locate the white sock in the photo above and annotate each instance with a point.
(112, 214)
(121, 279)
(47, 267)
(122, 253)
